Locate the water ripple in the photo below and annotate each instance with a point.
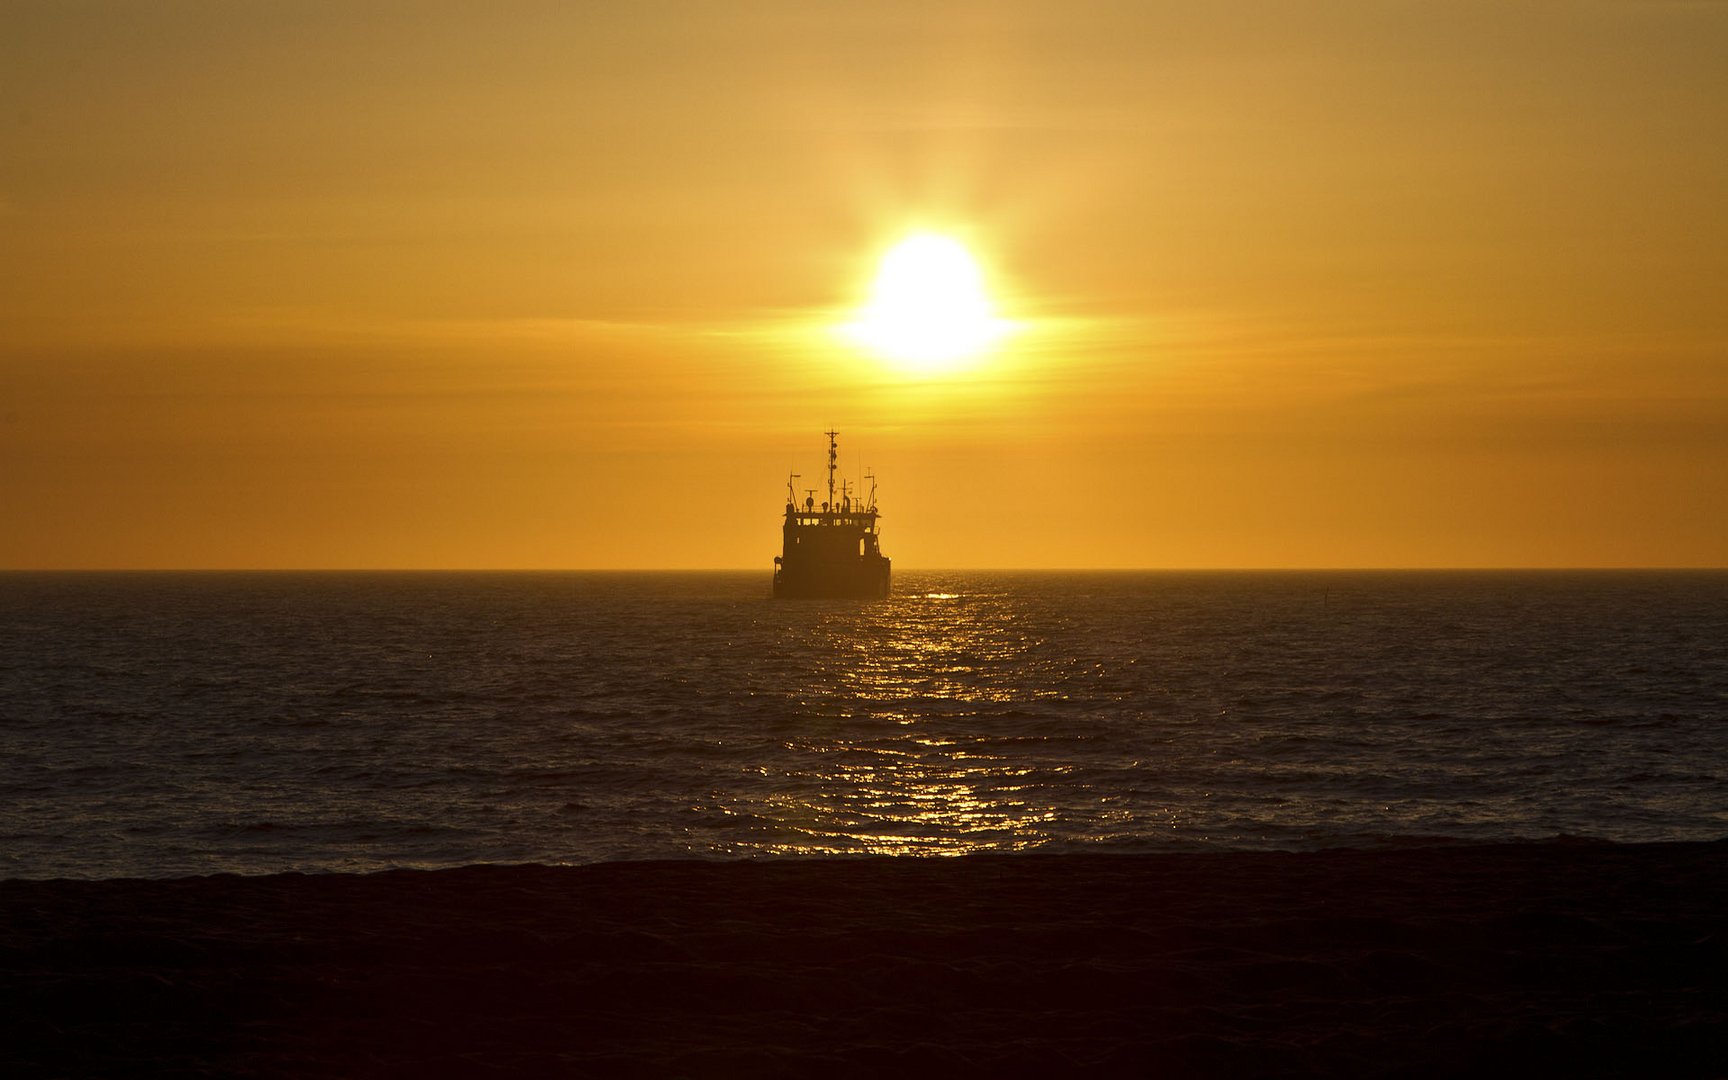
(155, 724)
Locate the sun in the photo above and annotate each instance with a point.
(928, 309)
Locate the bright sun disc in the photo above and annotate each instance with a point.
(928, 310)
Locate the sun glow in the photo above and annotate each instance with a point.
(928, 309)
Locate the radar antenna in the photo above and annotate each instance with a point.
(833, 456)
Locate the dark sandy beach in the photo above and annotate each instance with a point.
(1556, 959)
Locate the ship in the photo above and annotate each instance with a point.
(831, 552)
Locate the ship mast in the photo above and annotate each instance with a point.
(833, 456)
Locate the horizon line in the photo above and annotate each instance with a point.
(915, 569)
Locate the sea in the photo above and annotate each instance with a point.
(166, 724)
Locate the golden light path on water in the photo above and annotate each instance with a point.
(904, 750)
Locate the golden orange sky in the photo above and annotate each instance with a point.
(517, 285)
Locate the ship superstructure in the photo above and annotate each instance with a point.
(831, 551)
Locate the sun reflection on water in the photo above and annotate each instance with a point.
(911, 734)
(884, 800)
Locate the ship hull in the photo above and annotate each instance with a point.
(859, 578)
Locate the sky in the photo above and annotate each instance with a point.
(562, 285)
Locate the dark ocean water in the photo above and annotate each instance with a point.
(169, 724)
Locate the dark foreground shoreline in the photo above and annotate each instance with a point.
(1555, 959)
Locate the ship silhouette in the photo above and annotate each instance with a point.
(831, 552)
